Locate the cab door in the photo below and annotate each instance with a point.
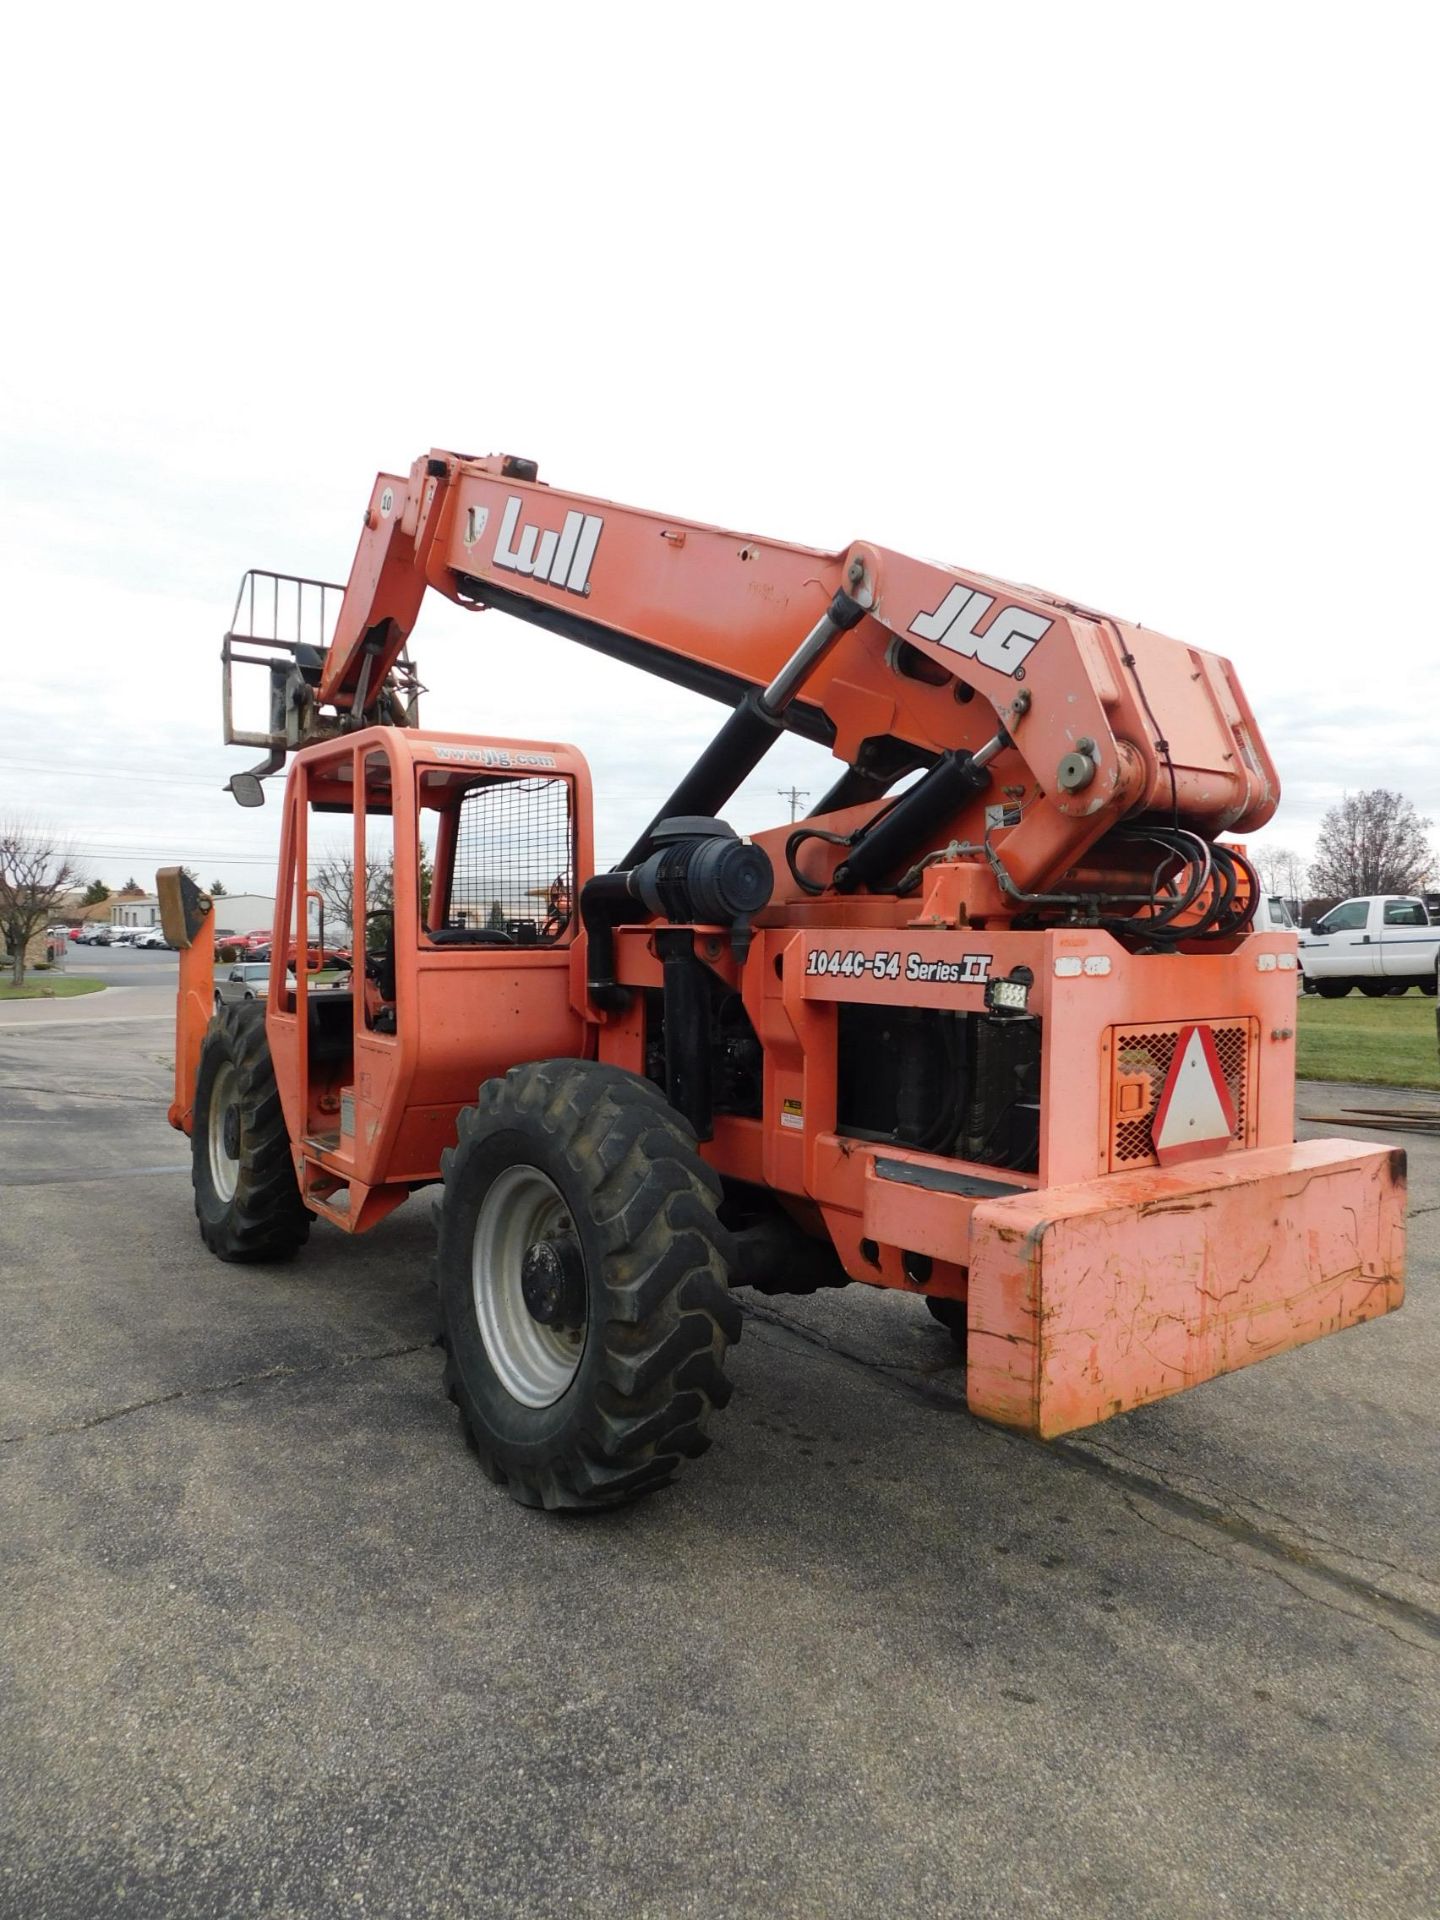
(1345, 944)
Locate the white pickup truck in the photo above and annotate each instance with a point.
(1381, 944)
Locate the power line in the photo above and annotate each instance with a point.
(794, 795)
(129, 773)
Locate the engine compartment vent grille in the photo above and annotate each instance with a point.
(1140, 1060)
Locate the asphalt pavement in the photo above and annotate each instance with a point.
(271, 1645)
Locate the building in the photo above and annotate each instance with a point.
(129, 909)
(235, 913)
(72, 911)
(239, 913)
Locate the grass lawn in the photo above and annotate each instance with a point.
(1390, 1042)
(48, 986)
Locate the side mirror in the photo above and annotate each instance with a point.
(247, 789)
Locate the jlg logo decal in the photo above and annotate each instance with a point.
(562, 558)
(1005, 643)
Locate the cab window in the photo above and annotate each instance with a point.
(504, 863)
(1348, 917)
(1405, 913)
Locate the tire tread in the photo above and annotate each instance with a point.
(266, 1219)
(666, 1262)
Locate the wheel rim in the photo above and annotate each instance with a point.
(224, 1131)
(536, 1363)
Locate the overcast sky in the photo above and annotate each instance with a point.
(1135, 303)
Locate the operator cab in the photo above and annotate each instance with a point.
(445, 869)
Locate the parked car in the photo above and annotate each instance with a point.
(151, 937)
(1381, 943)
(96, 936)
(250, 980)
(315, 957)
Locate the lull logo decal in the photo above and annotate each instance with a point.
(1005, 644)
(562, 558)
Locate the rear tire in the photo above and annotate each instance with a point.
(1333, 989)
(952, 1316)
(1378, 989)
(584, 1285)
(246, 1196)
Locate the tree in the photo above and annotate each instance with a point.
(1371, 842)
(132, 885)
(217, 889)
(1281, 871)
(35, 876)
(95, 895)
(334, 881)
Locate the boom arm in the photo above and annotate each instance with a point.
(1090, 719)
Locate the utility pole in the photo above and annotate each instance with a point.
(794, 795)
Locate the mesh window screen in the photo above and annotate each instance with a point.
(513, 861)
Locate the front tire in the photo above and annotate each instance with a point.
(1332, 989)
(247, 1199)
(584, 1285)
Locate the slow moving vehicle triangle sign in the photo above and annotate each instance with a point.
(1196, 1115)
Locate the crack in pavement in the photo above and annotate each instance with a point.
(1279, 1573)
(213, 1386)
(1305, 1533)
(1245, 1533)
(906, 1375)
(1237, 1531)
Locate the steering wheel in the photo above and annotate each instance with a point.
(379, 963)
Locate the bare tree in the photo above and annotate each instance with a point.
(1281, 871)
(1371, 842)
(35, 875)
(334, 880)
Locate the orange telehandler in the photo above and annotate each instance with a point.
(987, 1026)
